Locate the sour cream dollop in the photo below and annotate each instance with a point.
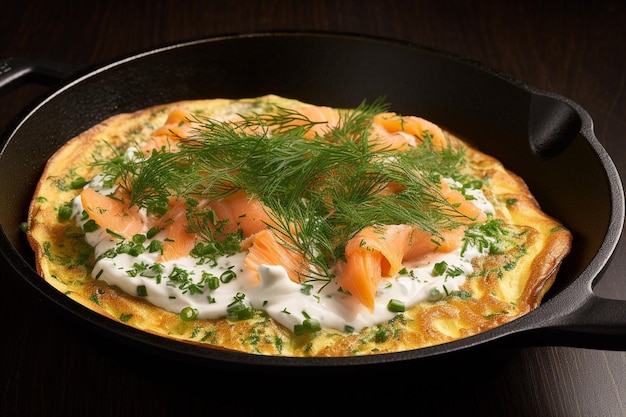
(287, 302)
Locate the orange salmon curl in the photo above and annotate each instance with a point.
(392, 131)
(325, 118)
(237, 212)
(114, 212)
(378, 252)
(176, 128)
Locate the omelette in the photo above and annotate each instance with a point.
(276, 227)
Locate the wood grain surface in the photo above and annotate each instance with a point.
(50, 367)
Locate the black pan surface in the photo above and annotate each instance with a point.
(545, 138)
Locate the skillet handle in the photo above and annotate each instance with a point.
(16, 71)
(553, 124)
(596, 323)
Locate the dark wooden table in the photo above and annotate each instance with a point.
(574, 48)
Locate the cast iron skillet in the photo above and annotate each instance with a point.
(545, 138)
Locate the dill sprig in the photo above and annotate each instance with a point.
(319, 191)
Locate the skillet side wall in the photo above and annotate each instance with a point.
(490, 112)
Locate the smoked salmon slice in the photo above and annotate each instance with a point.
(116, 215)
(460, 208)
(240, 211)
(178, 241)
(403, 132)
(373, 253)
(113, 213)
(325, 118)
(265, 249)
(235, 212)
(176, 127)
(378, 252)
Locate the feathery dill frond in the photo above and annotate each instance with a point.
(319, 191)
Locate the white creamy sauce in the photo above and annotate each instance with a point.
(282, 299)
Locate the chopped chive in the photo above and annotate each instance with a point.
(308, 326)
(228, 276)
(213, 282)
(439, 269)
(142, 291)
(155, 246)
(188, 313)
(396, 306)
(152, 232)
(79, 182)
(65, 211)
(90, 226)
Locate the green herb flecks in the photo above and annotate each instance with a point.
(491, 237)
